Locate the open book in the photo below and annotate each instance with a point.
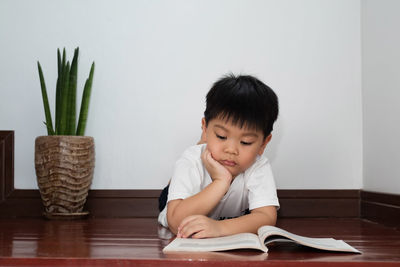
(266, 235)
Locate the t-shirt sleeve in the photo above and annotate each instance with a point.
(261, 185)
(186, 180)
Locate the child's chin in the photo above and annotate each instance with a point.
(233, 172)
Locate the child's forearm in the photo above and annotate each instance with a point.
(200, 204)
(249, 223)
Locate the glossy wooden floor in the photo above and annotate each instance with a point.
(139, 242)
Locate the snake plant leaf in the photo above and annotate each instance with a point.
(49, 124)
(65, 115)
(51, 131)
(64, 101)
(58, 61)
(64, 56)
(59, 71)
(60, 82)
(85, 103)
(71, 109)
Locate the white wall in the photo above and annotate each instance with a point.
(381, 95)
(156, 61)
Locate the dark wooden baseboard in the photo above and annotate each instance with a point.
(6, 164)
(319, 203)
(144, 203)
(294, 203)
(381, 208)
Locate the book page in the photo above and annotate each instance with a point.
(271, 234)
(244, 240)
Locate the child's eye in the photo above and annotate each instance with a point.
(246, 143)
(221, 137)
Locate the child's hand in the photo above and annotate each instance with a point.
(214, 168)
(199, 226)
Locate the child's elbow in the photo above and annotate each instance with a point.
(172, 225)
(172, 219)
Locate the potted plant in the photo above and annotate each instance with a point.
(64, 159)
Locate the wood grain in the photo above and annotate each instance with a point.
(381, 207)
(139, 242)
(6, 164)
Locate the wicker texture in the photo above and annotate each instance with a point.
(64, 170)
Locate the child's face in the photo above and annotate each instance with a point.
(234, 147)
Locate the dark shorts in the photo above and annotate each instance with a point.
(162, 199)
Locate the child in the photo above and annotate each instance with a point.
(214, 184)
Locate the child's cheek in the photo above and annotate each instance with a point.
(212, 151)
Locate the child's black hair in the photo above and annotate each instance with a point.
(245, 101)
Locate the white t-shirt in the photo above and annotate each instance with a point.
(252, 189)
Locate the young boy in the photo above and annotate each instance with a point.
(214, 185)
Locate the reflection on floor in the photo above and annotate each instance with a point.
(140, 241)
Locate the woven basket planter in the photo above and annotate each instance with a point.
(64, 170)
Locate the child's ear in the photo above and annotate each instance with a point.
(203, 138)
(264, 144)
(203, 124)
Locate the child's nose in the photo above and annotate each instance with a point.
(231, 148)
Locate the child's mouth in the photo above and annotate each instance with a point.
(228, 163)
